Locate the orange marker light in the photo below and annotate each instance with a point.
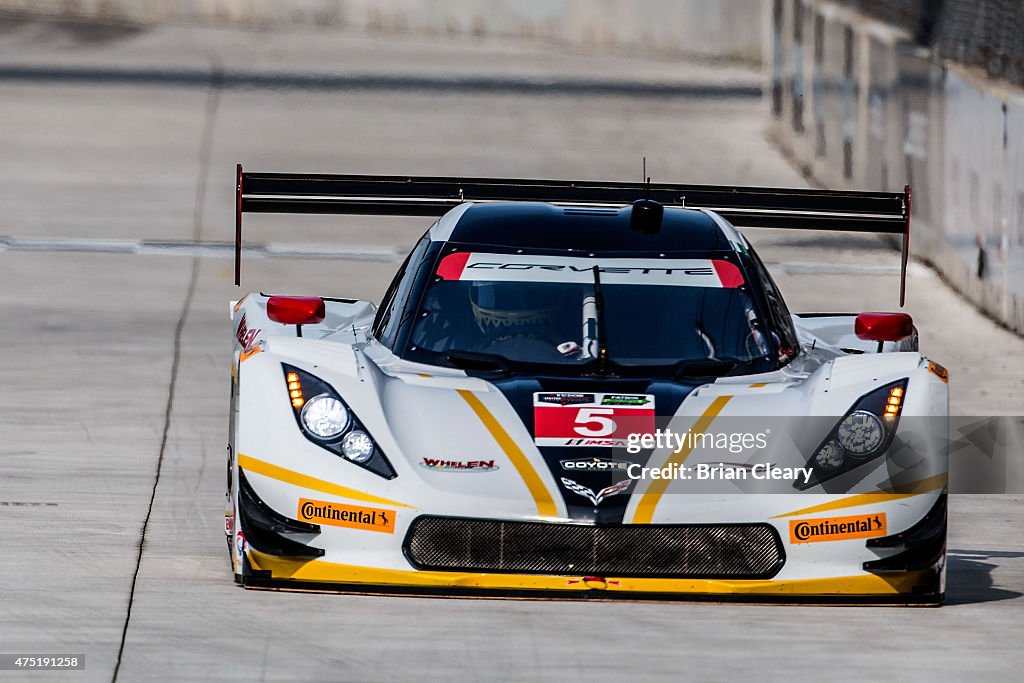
(938, 371)
(295, 389)
(893, 404)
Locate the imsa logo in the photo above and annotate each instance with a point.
(837, 528)
(351, 516)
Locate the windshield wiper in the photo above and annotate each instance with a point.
(602, 338)
(488, 364)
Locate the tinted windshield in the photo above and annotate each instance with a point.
(551, 309)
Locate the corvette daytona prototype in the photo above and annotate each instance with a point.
(577, 390)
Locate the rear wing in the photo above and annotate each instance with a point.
(744, 207)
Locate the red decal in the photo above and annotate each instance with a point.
(572, 422)
(452, 265)
(245, 336)
(728, 273)
(590, 420)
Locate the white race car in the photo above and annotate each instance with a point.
(569, 393)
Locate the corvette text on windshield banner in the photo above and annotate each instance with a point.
(473, 266)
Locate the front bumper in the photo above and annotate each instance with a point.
(292, 554)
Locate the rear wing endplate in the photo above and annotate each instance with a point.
(744, 207)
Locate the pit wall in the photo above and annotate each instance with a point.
(716, 28)
(858, 105)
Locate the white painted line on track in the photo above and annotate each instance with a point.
(361, 252)
(841, 268)
(103, 246)
(202, 248)
(335, 251)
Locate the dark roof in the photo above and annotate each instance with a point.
(535, 225)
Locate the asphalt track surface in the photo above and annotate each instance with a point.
(115, 202)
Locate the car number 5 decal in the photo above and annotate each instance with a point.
(600, 417)
(590, 419)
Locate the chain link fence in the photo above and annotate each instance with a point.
(985, 33)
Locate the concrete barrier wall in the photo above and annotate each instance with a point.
(858, 105)
(719, 28)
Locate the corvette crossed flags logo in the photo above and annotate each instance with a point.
(596, 498)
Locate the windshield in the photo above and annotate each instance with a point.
(558, 310)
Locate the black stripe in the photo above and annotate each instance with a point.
(519, 393)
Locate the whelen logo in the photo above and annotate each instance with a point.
(458, 465)
(837, 528)
(594, 465)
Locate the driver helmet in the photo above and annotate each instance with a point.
(513, 308)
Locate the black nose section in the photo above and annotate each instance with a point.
(646, 216)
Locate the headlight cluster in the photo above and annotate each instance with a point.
(862, 435)
(325, 419)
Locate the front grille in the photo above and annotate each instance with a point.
(737, 551)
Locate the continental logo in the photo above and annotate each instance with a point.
(836, 528)
(354, 517)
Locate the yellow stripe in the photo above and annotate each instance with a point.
(759, 385)
(931, 483)
(305, 481)
(329, 572)
(645, 508)
(545, 503)
(907, 490)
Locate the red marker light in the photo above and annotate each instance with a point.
(883, 326)
(296, 310)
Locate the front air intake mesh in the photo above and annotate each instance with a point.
(736, 551)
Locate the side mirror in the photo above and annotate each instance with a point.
(296, 310)
(883, 327)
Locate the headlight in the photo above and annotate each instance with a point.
(325, 416)
(357, 445)
(860, 433)
(829, 456)
(326, 420)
